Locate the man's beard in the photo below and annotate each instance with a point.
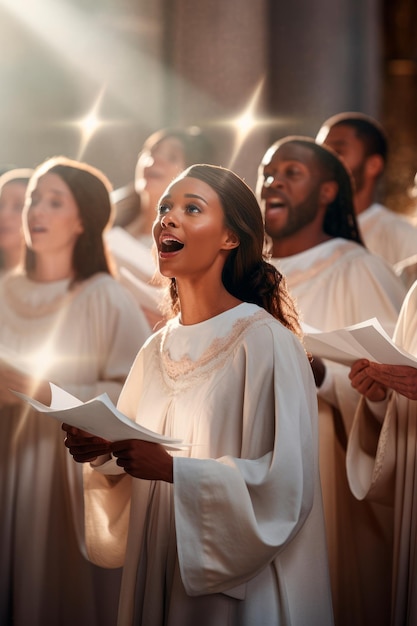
(297, 217)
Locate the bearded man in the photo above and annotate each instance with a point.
(305, 194)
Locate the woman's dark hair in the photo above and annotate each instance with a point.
(20, 176)
(340, 218)
(246, 274)
(91, 191)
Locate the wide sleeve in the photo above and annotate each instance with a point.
(371, 473)
(234, 515)
(107, 491)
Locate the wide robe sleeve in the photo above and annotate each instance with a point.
(107, 494)
(372, 476)
(235, 515)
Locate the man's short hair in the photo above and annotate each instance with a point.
(367, 129)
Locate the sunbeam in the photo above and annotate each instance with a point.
(90, 123)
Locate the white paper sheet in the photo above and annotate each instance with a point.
(98, 416)
(367, 340)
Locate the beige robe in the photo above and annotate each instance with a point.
(84, 340)
(391, 475)
(339, 283)
(238, 539)
(387, 234)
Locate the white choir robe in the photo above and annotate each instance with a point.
(387, 233)
(339, 283)
(84, 339)
(239, 537)
(390, 475)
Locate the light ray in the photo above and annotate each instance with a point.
(246, 121)
(90, 123)
(100, 55)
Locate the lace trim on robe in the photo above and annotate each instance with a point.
(178, 375)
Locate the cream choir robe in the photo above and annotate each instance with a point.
(84, 340)
(387, 234)
(239, 537)
(407, 270)
(336, 284)
(391, 474)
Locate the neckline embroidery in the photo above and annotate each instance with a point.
(180, 374)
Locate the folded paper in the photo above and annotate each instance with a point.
(98, 417)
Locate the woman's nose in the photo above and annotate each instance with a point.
(168, 219)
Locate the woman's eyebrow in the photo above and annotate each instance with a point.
(194, 195)
(186, 195)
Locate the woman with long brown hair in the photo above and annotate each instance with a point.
(62, 317)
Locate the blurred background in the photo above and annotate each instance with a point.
(91, 79)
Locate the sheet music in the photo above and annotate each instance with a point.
(366, 340)
(98, 416)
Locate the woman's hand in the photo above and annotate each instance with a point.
(142, 459)
(83, 446)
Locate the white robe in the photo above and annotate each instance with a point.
(390, 475)
(85, 340)
(336, 284)
(387, 234)
(407, 270)
(238, 538)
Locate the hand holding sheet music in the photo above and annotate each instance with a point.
(98, 417)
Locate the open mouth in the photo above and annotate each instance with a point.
(275, 204)
(171, 245)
